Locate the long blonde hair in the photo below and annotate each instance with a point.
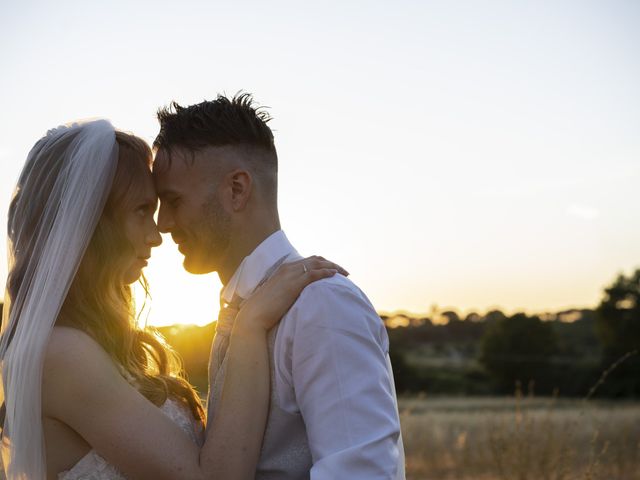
(100, 303)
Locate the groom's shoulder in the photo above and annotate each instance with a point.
(337, 285)
(327, 300)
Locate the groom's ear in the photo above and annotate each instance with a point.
(240, 184)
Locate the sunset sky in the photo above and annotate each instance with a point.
(471, 155)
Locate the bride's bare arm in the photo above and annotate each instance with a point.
(83, 389)
(234, 437)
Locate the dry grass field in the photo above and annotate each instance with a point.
(520, 438)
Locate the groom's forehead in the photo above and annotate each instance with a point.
(180, 170)
(209, 158)
(172, 159)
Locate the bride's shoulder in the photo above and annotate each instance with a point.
(67, 344)
(77, 375)
(73, 361)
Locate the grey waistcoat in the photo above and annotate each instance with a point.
(285, 453)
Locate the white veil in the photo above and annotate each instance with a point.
(57, 203)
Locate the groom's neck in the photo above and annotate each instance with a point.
(242, 244)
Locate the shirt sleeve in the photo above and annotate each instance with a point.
(342, 384)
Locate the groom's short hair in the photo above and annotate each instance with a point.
(235, 121)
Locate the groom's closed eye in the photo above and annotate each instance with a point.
(170, 199)
(171, 202)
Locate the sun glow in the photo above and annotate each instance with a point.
(177, 297)
(504, 179)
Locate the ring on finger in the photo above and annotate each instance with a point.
(304, 268)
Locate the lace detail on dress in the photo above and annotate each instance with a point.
(93, 467)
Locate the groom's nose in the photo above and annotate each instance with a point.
(165, 220)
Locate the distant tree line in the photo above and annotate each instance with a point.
(566, 352)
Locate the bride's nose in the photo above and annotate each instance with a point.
(153, 238)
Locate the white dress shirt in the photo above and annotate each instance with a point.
(331, 364)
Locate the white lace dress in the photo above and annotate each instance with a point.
(93, 467)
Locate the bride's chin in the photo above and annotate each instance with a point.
(132, 276)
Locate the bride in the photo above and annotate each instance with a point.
(85, 392)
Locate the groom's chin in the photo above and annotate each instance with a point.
(195, 267)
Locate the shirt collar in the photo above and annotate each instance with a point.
(254, 267)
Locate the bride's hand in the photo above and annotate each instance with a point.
(271, 301)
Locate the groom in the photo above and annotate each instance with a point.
(333, 412)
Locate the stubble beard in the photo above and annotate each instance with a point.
(215, 230)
